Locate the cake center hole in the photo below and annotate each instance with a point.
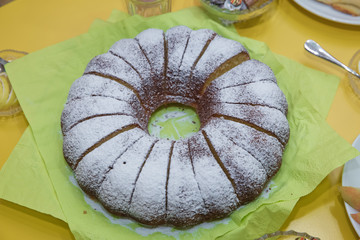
(174, 121)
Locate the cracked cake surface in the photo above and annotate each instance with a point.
(226, 164)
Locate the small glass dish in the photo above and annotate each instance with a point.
(227, 17)
(353, 80)
(9, 104)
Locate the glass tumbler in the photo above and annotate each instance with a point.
(148, 8)
(355, 81)
(9, 104)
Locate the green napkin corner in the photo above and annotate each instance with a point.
(42, 80)
(24, 179)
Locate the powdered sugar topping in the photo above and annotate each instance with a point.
(157, 181)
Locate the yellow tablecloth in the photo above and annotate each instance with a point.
(33, 25)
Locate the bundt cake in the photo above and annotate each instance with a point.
(226, 164)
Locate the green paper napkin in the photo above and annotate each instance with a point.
(24, 179)
(42, 80)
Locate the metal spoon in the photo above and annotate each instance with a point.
(314, 48)
(2, 63)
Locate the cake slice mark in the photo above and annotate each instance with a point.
(105, 96)
(164, 80)
(223, 68)
(249, 124)
(99, 115)
(97, 95)
(147, 59)
(116, 55)
(218, 160)
(251, 104)
(202, 53)
(242, 147)
(183, 54)
(111, 167)
(167, 178)
(193, 170)
(246, 83)
(141, 168)
(120, 81)
(105, 139)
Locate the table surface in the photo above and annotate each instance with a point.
(33, 25)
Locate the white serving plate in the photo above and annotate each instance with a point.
(327, 12)
(351, 177)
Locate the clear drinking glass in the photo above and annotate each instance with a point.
(355, 81)
(9, 105)
(148, 8)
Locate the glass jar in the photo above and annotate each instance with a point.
(9, 105)
(355, 81)
(148, 8)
